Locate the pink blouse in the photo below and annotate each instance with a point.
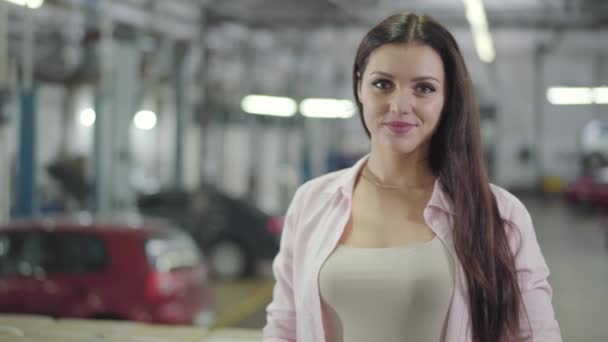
(314, 224)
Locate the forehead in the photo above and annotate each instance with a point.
(407, 59)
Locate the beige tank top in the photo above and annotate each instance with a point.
(395, 294)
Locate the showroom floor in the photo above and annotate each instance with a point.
(575, 246)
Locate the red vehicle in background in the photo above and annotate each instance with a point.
(144, 271)
(590, 190)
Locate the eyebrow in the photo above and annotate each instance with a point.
(419, 78)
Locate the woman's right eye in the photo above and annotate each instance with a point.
(382, 84)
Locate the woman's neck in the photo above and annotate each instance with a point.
(398, 170)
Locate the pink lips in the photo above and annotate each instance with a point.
(399, 127)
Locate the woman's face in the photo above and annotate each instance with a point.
(402, 92)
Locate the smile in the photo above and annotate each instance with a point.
(399, 127)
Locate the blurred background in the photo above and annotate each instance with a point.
(149, 149)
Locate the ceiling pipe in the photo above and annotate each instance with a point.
(3, 45)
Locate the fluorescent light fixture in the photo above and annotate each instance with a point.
(87, 117)
(27, 3)
(570, 96)
(145, 120)
(327, 108)
(600, 95)
(269, 105)
(485, 47)
(476, 15)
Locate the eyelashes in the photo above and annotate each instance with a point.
(422, 88)
(382, 84)
(425, 88)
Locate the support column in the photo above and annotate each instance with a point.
(26, 167)
(5, 161)
(103, 122)
(540, 54)
(3, 44)
(179, 80)
(101, 151)
(124, 95)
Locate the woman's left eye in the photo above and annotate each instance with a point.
(425, 88)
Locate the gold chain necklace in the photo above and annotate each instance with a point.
(372, 178)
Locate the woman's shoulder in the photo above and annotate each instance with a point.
(325, 184)
(311, 200)
(521, 235)
(312, 197)
(510, 206)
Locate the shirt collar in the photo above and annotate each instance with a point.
(345, 183)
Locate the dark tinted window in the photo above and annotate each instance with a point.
(51, 253)
(11, 253)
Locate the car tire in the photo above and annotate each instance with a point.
(228, 260)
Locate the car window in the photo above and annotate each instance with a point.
(70, 252)
(11, 247)
(167, 252)
(45, 253)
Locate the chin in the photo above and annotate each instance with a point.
(404, 145)
(400, 147)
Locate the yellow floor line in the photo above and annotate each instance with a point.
(247, 307)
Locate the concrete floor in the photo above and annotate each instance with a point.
(574, 244)
(241, 304)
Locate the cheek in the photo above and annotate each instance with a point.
(372, 113)
(372, 104)
(433, 111)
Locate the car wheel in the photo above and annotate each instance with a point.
(227, 260)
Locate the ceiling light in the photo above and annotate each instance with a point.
(600, 95)
(145, 120)
(569, 96)
(35, 3)
(476, 15)
(27, 3)
(485, 47)
(87, 117)
(327, 108)
(269, 105)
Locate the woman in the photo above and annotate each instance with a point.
(412, 243)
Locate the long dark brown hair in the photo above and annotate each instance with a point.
(479, 232)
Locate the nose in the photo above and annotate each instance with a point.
(401, 102)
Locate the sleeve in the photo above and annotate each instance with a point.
(281, 313)
(538, 319)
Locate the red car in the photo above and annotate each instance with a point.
(589, 190)
(580, 191)
(146, 271)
